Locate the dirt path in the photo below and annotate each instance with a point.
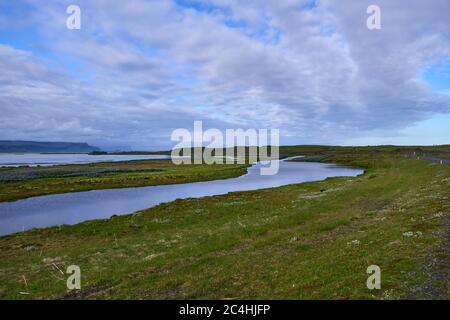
(435, 159)
(436, 268)
(429, 158)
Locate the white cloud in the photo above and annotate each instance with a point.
(144, 68)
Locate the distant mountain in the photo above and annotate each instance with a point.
(43, 146)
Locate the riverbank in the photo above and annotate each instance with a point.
(76, 207)
(311, 240)
(25, 182)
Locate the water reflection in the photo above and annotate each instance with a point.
(72, 208)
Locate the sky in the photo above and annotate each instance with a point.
(137, 70)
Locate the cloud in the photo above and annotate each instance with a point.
(139, 69)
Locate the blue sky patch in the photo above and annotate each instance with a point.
(437, 76)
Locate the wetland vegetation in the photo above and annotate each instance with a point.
(305, 241)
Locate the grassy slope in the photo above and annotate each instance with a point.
(135, 174)
(156, 172)
(438, 151)
(289, 242)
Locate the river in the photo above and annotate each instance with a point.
(76, 207)
(47, 159)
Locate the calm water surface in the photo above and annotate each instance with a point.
(40, 159)
(72, 208)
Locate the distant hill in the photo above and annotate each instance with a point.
(43, 146)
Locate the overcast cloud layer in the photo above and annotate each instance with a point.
(139, 69)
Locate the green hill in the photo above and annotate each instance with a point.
(43, 146)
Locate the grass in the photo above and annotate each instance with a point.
(24, 182)
(292, 242)
(320, 158)
(442, 151)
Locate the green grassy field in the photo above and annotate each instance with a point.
(70, 178)
(306, 241)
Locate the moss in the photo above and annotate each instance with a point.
(279, 243)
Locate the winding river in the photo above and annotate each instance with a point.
(76, 207)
